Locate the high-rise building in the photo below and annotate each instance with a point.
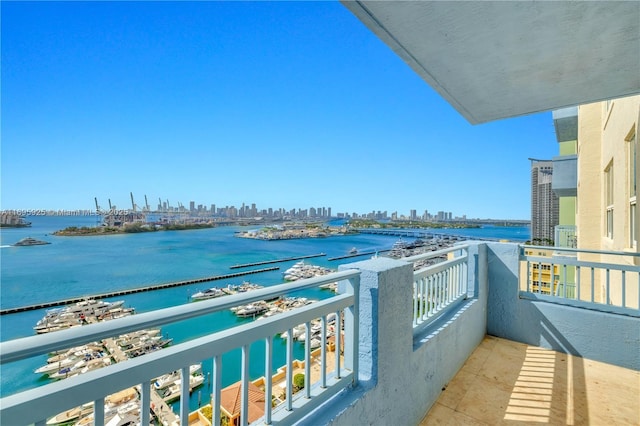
(544, 203)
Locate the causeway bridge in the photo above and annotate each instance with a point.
(420, 233)
(410, 233)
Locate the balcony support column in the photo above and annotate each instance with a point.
(385, 316)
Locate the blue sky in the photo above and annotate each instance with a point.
(282, 104)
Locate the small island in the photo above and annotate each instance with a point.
(129, 228)
(289, 231)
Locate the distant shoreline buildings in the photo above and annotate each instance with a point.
(114, 216)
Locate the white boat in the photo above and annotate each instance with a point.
(170, 378)
(353, 251)
(210, 293)
(65, 417)
(302, 270)
(123, 404)
(172, 392)
(298, 330)
(315, 343)
(76, 314)
(53, 367)
(81, 367)
(71, 415)
(252, 309)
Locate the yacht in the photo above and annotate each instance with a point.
(210, 293)
(252, 309)
(30, 242)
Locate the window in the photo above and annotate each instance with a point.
(609, 198)
(633, 178)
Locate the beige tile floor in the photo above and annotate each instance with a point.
(509, 383)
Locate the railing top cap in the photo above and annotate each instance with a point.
(579, 250)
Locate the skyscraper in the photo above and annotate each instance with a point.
(544, 203)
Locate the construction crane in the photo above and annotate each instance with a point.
(98, 210)
(146, 203)
(133, 204)
(110, 206)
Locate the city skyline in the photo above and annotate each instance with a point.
(252, 210)
(255, 101)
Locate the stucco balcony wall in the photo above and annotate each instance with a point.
(587, 333)
(402, 375)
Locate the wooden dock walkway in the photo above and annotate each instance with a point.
(162, 410)
(115, 351)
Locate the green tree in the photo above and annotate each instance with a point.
(298, 382)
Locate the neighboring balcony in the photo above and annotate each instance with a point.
(565, 175)
(403, 336)
(566, 236)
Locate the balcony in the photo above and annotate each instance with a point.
(565, 121)
(404, 330)
(566, 236)
(565, 176)
(506, 382)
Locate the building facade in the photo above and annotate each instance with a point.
(606, 171)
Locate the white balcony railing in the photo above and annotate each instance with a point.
(440, 285)
(37, 405)
(598, 279)
(566, 236)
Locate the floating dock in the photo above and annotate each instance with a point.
(266, 262)
(133, 290)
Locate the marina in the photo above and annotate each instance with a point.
(125, 405)
(73, 268)
(131, 291)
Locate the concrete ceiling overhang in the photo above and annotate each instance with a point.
(497, 59)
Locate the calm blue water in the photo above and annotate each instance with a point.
(82, 266)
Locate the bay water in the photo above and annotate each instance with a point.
(82, 266)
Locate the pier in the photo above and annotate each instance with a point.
(162, 410)
(364, 253)
(266, 262)
(133, 290)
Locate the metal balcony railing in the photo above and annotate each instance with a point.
(35, 406)
(599, 279)
(438, 286)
